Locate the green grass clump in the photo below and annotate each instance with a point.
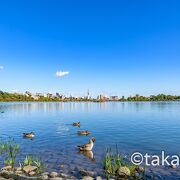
(10, 150)
(39, 165)
(28, 160)
(114, 161)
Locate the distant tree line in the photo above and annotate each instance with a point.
(159, 97)
(5, 96)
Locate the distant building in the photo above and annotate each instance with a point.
(60, 96)
(39, 94)
(49, 95)
(114, 98)
(35, 97)
(88, 95)
(57, 95)
(101, 98)
(27, 93)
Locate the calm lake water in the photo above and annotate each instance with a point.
(133, 126)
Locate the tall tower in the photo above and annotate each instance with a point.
(88, 94)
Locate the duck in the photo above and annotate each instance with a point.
(89, 146)
(29, 135)
(84, 132)
(77, 124)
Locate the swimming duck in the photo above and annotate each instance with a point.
(89, 146)
(84, 132)
(29, 135)
(77, 124)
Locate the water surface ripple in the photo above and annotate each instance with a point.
(133, 126)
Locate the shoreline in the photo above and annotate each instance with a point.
(92, 101)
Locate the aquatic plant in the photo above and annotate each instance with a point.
(114, 162)
(39, 165)
(9, 149)
(108, 165)
(28, 160)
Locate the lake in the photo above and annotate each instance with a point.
(149, 127)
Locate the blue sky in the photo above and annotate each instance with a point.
(111, 47)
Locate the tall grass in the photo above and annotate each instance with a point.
(10, 150)
(39, 165)
(28, 160)
(114, 161)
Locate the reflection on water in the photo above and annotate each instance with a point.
(89, 154)
(84, 106)
(132, 126)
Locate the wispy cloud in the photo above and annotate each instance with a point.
(62, 73)
(1, 67)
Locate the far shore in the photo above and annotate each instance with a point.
(95, 101)
(38, 97)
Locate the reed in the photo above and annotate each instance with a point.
(28, 160)
(114, 161)
(10, 150)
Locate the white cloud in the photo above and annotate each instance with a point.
(1, 67)
(62, 73)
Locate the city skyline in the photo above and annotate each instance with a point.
(114, 48)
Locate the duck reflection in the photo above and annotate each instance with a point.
(88, 154)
